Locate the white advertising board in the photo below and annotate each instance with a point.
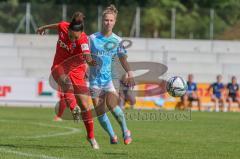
(27, 90)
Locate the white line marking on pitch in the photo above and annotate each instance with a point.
(21, 153)
(27, 154)
(72, 131)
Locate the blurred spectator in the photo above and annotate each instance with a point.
(191, 94)
(233, 93)
(218, 94)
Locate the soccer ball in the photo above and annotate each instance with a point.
(176, 86)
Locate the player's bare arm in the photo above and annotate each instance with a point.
(130, 80)
(41, 30)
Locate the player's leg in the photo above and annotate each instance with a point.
(121, 99)
(61, 107)
(199, 103)
(125, 94)
(87, 118)
(65, 84)
(238, 102)
(185, 101)
(229, 101)
(180, 105)
(111, 101)
(223, 104)
(81, 92)
(98, 98)
(196, 99)
(190, 102)
(216, 103)
(118, 85)
(130, 98)
(62, 104)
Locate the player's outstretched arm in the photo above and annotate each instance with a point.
(41, 30)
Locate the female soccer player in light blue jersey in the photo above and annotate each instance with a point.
(105, 46)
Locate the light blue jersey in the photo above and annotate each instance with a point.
(104, 50)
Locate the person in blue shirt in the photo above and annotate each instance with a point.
(218, 93)
(233, 93)
(105, 46)
(191, 94)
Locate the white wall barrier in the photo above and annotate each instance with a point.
(27, 92)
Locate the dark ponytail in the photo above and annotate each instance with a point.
(77, 22)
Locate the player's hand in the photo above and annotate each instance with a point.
(41, 30)
(92, 63)
(129, 80)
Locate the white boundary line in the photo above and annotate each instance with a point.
(21, 153)
(72, 131)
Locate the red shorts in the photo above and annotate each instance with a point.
(75, 77)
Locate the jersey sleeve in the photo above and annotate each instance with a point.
(84, 44)
(60, 26)
(121, 50)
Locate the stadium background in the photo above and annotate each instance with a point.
(199, 37)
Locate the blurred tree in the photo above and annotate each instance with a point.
(192, 16)
(157, 19)
(11, 12)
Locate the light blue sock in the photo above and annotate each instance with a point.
(119, 115)
(106, 125)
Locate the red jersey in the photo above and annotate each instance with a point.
(69, 54)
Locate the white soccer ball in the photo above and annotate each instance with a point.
(176, 86)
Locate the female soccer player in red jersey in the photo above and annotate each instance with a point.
(69, 68)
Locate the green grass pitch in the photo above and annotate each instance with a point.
(31, 133)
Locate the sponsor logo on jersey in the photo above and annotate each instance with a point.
(63, 45)
(84, 47)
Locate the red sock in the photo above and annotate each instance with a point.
(62, 106)
(88, 122)
(71, 100)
